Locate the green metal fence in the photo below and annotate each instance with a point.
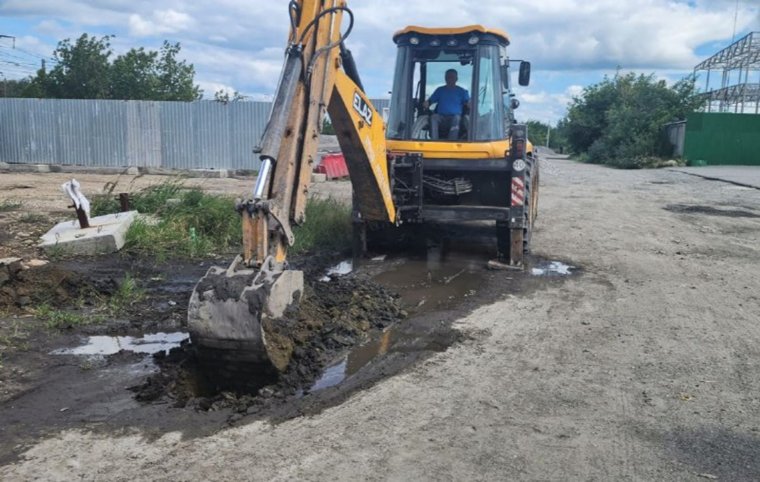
(722, 139)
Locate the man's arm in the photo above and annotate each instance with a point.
(433, 98)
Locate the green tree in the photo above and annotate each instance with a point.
(134, 76)
(14, 87)
(620, 121)
(537, 132)
(175, 77)
(84, 70)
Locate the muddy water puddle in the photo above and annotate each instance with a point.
(551, 268)
(148, 344)
(433, 282)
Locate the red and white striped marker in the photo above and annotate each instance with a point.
(518, 191)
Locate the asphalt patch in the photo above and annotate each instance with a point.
(710, 211)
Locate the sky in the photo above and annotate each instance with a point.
(238, 45)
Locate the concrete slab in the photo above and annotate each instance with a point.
(318, 177)
(106, 234)
(748, 176)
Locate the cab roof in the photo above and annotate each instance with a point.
(452, 31)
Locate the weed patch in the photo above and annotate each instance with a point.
(193, 224)
(9, 205)
(327, 227)
(127, 294)
(59, 319)
(190, 223)
(32, 218)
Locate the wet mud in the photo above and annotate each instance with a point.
(333, 316)
(350, 332)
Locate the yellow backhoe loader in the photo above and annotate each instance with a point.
(434, 161)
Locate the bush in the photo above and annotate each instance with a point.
(620, 121)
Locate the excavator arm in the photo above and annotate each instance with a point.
(234, 312)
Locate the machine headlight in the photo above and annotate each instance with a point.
(473, 40)
(451, 42)
(518, 165)
(414, 40)
(435, 43)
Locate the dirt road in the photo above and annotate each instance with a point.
(645, 366)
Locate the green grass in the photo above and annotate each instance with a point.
(9, 205)
(193, 224)
(151, 200)
(32, 218)
(327, 227)
(58, 319)
(197, 224)
(128, 293)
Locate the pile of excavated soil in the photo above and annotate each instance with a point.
(23, 287)
(332, 317)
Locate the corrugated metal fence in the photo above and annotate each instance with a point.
(113, 133)
(722, 139)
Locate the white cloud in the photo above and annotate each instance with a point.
(160, 23)
(240, 44)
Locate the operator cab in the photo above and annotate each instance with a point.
(479, 57)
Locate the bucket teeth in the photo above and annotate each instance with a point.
(237, 312)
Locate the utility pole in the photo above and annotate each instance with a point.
(548, 132)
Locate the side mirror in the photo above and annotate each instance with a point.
(524, 78)
(514, 103)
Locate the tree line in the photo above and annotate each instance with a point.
(88, 69)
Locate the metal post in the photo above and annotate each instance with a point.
(124, 201)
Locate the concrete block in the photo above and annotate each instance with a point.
(106, 234)
(4, 165)
(42, 168)
(133, 171)
(318, 177)
(209, 173)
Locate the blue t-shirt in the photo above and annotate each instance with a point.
(450, 99)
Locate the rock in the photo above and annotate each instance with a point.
(35, 263)
(10, 267)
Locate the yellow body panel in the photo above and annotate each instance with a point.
(452, 150)
(452, 31)
(361, 134)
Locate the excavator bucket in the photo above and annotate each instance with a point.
(235, 315)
